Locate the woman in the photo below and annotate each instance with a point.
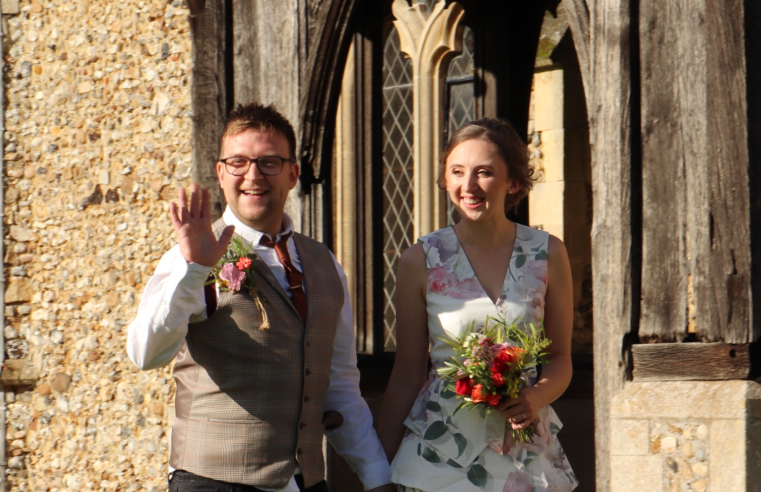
(483, 266)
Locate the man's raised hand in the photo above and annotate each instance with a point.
(192, 225)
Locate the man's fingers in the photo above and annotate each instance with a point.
(173, 216)
(205, 205)
(182, 199)
(194, 201)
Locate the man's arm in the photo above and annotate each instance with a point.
(355, 439)
(175, 292)
(173, 295)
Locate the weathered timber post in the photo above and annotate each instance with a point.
(675, 121)
(687, 416)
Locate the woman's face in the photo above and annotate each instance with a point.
(477, 180)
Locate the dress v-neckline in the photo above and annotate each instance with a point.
(507, 272)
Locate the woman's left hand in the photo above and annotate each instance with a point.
(520, 412)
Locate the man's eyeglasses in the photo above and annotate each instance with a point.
(269, 165)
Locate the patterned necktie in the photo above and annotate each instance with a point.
(294, 277)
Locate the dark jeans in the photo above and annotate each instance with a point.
(183, 481)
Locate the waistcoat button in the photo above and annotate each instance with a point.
(302, 425)
(306, 399)
(308, 372)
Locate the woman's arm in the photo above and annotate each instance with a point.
(411, 363)
(558, 327)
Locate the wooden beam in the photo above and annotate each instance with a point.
(196, 6)
(266, 55)
(673, 129)
(209, 97)
(693, 361)
(723, 257)
(696, 244)
(612, 245)
(753, 85)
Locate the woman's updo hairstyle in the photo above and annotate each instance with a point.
(508, 144)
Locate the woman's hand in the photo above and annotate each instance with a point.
(520, 412)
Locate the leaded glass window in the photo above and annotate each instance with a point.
(397, 196)
(460, 97)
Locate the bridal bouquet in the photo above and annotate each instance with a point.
(235, 272)
(494, 364)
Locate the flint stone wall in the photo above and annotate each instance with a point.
(97, 139)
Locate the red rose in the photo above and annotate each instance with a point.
(478, 394)
(243, 263)
(493, 400)
(463, 387)
(498, 379)
(509, 355)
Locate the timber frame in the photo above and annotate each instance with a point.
(673, 221)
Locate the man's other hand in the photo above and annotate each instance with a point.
(192, 225)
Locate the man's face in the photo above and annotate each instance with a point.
(258, 200)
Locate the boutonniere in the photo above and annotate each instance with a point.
(234, 272)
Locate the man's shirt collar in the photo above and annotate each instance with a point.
(252, 235)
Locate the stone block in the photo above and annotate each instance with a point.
(10, 7)
(684, 399)
(629, 437)
(553, 155)
(636, 474)
(545, 207)
(18, 290)
(548, 100)
(727, 459)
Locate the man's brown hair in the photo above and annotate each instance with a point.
(511, 149)
(254, 116)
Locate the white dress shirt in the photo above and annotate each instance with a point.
(174, 297)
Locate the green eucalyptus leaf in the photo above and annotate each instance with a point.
(430, 456)
(520, 260)
(477, 475)
(433, 406)
(447, 393)
(461, 442)
(435, 430)
(453, 464)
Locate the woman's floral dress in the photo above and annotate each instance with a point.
(467, 451)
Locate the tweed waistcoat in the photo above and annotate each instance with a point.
(249, 402)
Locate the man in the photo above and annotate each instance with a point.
(252, 386)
